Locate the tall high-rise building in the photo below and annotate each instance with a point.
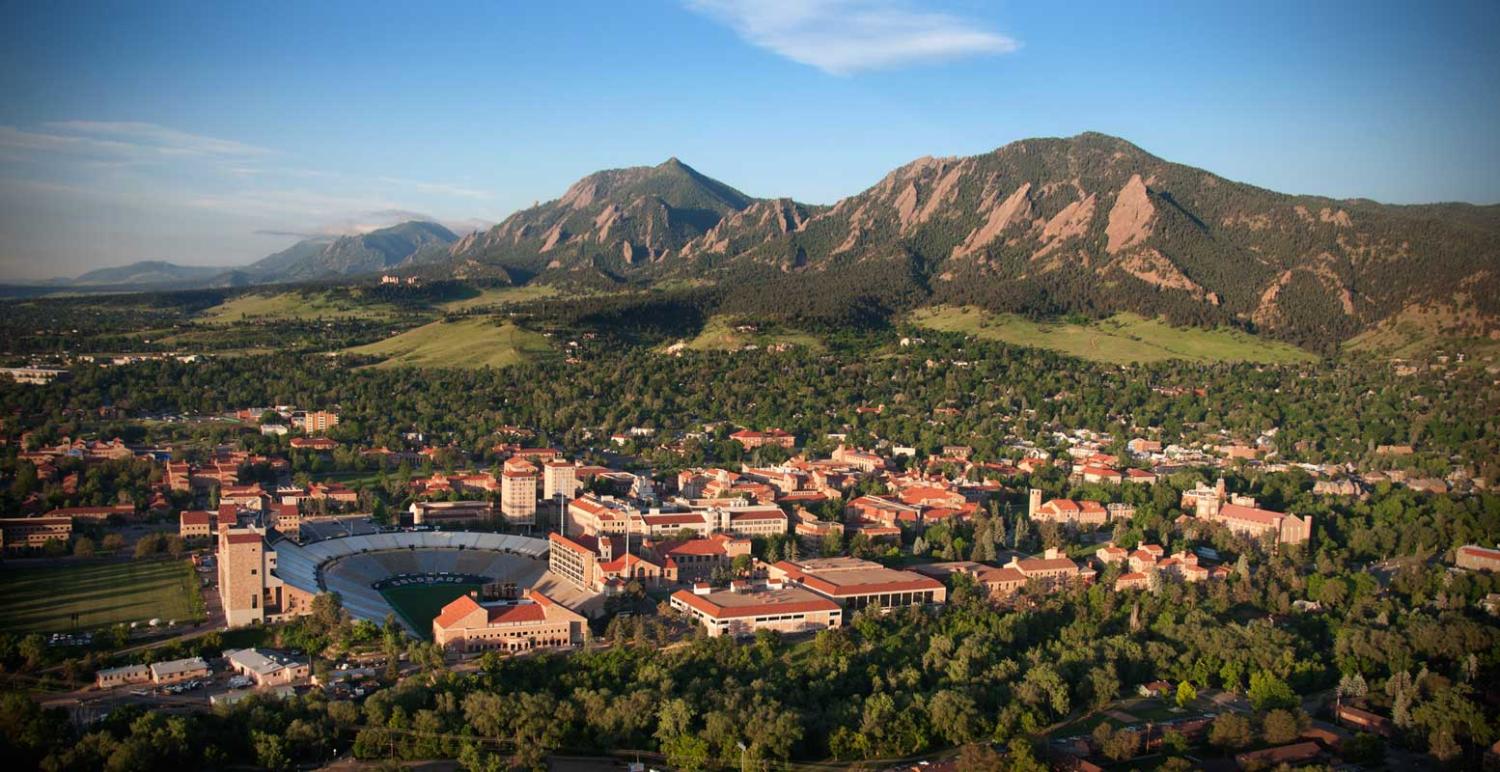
(559, 478)
(518, 482)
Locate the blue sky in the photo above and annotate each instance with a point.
(215, 133)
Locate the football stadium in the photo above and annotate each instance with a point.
(414, 574)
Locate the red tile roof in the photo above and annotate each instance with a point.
(1250, 514)
(772, 604)
(455, 611)
(195, 517)
(524, 612)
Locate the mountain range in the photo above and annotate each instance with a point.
(312, 259)
(1089, 224)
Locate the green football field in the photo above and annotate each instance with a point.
(420, 604)
(100, 593)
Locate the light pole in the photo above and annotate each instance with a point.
(743, 749)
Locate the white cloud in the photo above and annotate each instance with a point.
(841, 37)
(162, 139)
(438, 188)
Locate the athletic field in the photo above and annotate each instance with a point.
(99, 593)
(419, 604)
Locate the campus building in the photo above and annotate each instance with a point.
(287, 520)
(518, 482)
(111, 677)
(467, 626)
(450, 512)
(1066, 511)
(696, 559)
(1477, 558)
(745, 608)
(266, 668)
(315, 421)
(752, 439)
(179, 670)
(248, 587)
(602, 564)
(196, 524)
(20, 533)
(854, 583)
(560, 478)
(1262, 523)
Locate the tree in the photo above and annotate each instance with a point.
(1118, 745)
(270, 750)
(83, 547)
(1186, 693)
(1022, 757)
(1353, 685)
(686, 752)
(1279, 727)
(979, 757)
(1104, 685)
(33, 649)
(1267, 691)
(1229, 731)
(1442, 746)
(113, 542)
(147, 546)
(327, 612)
(955, 716)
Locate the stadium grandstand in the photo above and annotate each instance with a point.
(358, 567)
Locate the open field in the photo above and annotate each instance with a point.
(100, 593)
(478, 342)
(719, 334)
(420, 604)
(1120, 339)
(498, 296)
(285, 306)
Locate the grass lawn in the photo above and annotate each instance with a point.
(285, 306)
(478, 342)
(719, 334)
(419, 604)
(100, 593)
(1120, 339)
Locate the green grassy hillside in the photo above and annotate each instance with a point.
(1121, 339)
(477, 342)
(498, 296)
(286, 306)
(720, 334)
